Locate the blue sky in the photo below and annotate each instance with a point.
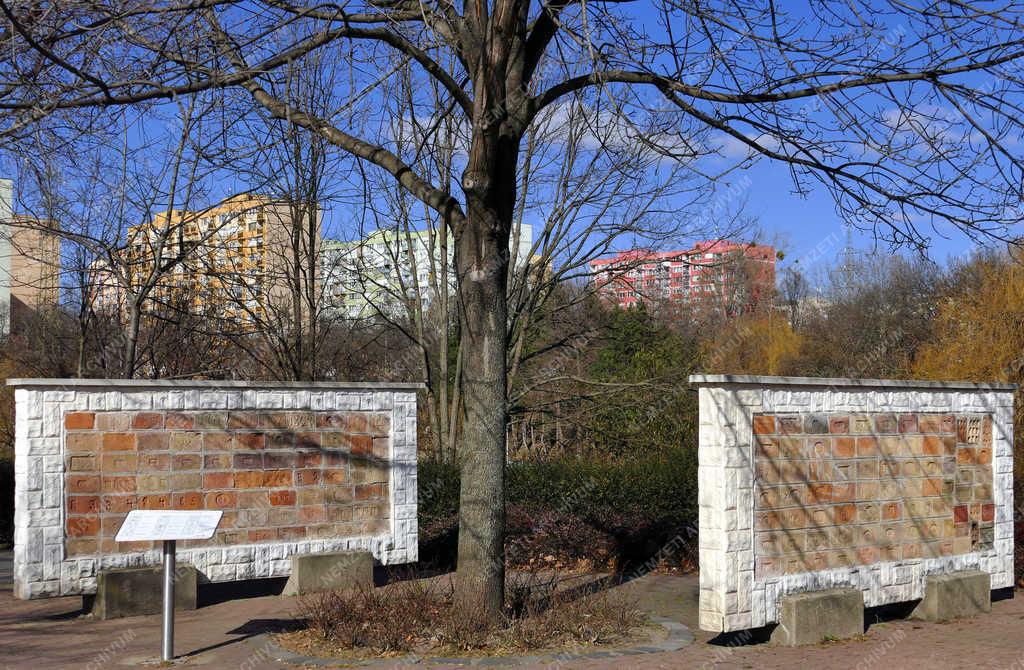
(809, 230)
(806, 227)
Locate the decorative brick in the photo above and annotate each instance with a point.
(155, 501)
(379, 424)
(278, 478)
(147, 421)
(247, 461)
(183, 481)
(179, 421)
(79, 420)
(764, 425)
(153, 462)
(83, 464)
(930, 423)
(908, 423)
(885, 423)
(187, 500)
(310, 459)
(273, 460)
(243, 420)
(332, 477)
(312, 514)
(186, 461)
(210, 421)
(83, 484)
(113, 421)
(218, 480)
(119, 442)
(153, 483)
(357, 422)
(249, 441)
(369, 491)
(839, 425)
(186, 441)
(307, 440)
(279, 498)
(217, 442)
(84, 504)
(867, 447)
(82, 442)
(249, 479)
(153, 441)
(120, 462)
(307, 477)
(221, 500)
(119, 504)
(83, 526)
(217, 461)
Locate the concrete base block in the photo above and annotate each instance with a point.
(137, 591)
(955, 596)
(343, 570)
(809, 618)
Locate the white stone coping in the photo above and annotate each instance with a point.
(835, 382)
(211, 383)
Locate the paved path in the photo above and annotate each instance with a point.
(44, 634)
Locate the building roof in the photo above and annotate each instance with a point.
(651, 256)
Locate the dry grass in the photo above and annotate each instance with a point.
(420, 616)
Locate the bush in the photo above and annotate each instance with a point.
(422, 616)
(609, 514)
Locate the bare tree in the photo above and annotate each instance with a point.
(906, 127)
(285, 330)
(124, 209)
(794, 290)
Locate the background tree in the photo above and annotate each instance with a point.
(907, 128)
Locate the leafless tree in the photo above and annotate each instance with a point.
(286, 330)
(905, 114)
(123, 207)
(794, 290)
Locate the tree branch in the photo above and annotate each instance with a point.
(756, 97)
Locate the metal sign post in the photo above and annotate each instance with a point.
(167, 643)
(168, 526)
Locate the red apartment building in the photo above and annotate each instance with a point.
(711, 273)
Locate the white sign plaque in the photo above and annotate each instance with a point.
(142, 525)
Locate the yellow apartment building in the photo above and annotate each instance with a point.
(228, 261)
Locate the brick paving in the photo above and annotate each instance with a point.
(45, 634)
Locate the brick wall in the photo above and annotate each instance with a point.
(840, 490)
(808, 484)
(277, 475)
(296, 469)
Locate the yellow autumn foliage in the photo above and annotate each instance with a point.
(759, 345)
(979, 332)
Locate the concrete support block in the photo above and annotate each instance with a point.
(343, 570)
(955, 596)
(809, 618)
(137, 591)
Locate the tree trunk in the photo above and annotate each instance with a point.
(481, 263)
(131, 345)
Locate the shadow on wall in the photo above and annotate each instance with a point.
(6, 502)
